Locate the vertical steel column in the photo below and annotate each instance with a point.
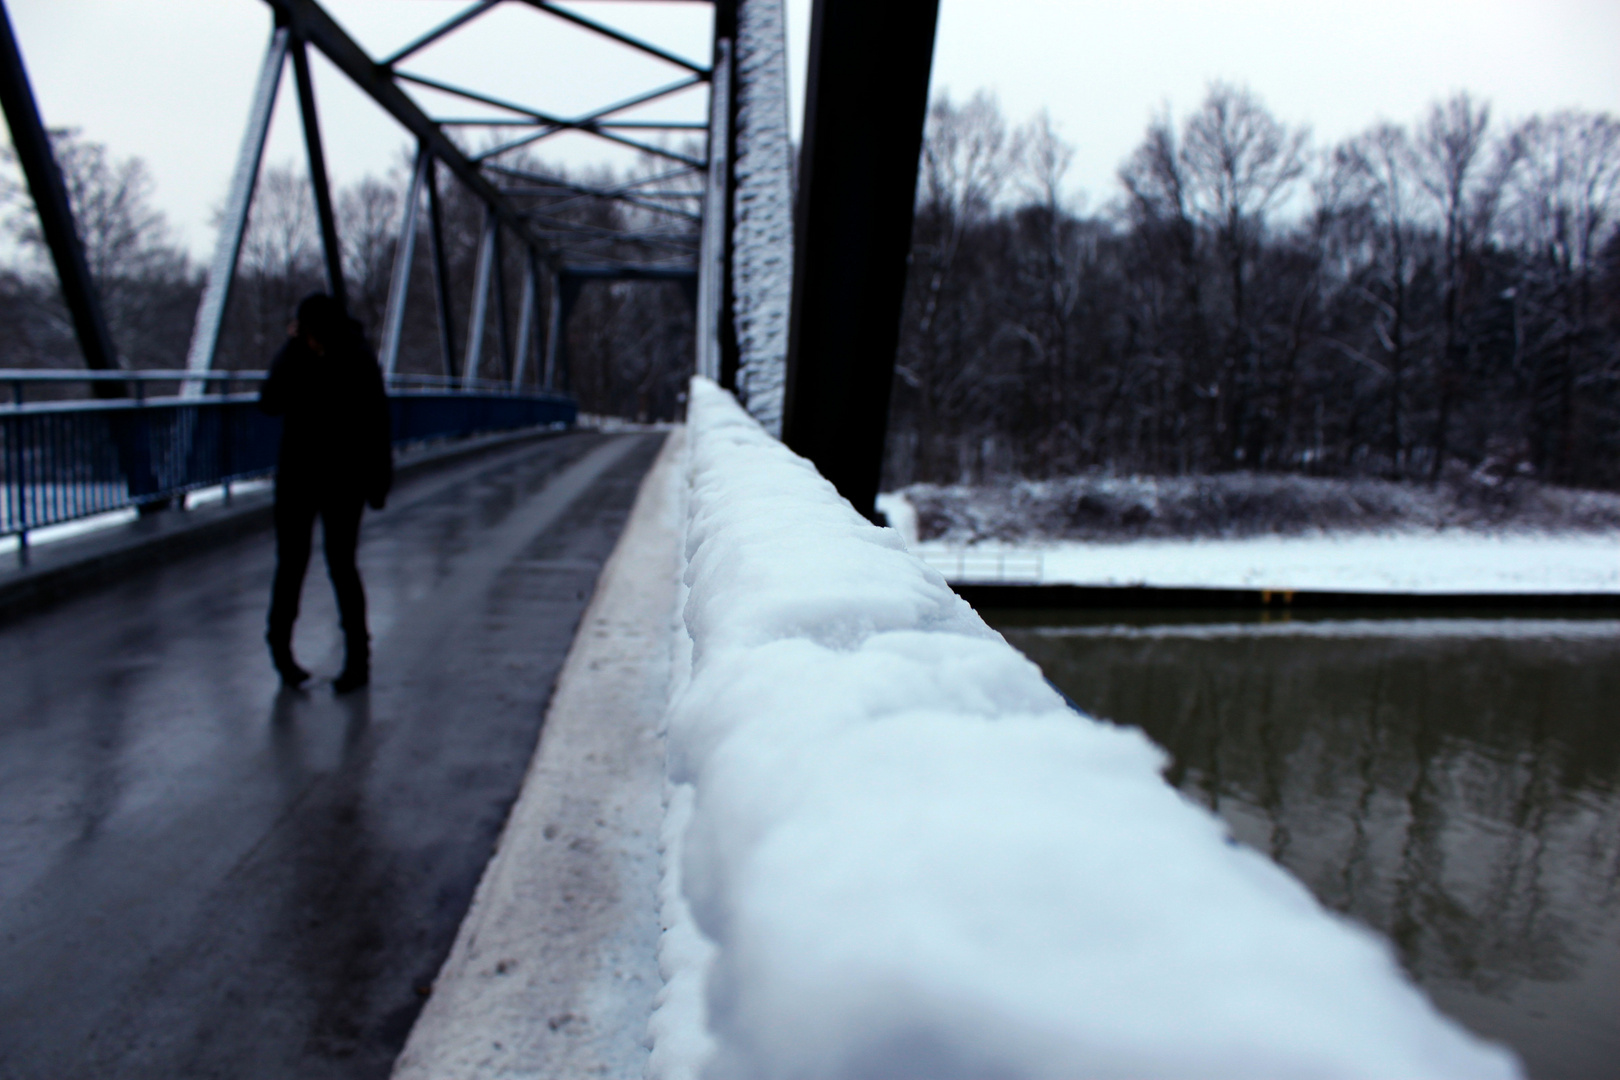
(711, 247)
(480, 302)
(404, 254)
(503, 331)
(441, 272)
(725, 26)
(865, 104)
(238, 203)
(564, 295)
(45, 184)
(526, 311)
(548, 370)
(317, 174)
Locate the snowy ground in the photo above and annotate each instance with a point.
(1451, 562)
(892, 851)
(1100, 507)
(1412, 561)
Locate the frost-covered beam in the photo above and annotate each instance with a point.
(711, 252)
(762, 209)
(892, 850)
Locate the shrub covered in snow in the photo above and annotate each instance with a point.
(1105, 507)
(908, 858)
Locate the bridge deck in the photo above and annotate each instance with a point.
(203, 876)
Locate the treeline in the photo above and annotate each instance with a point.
(629, 346)
(1414, 301)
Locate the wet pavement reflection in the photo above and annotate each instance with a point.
(1453, 783)
(204, 875)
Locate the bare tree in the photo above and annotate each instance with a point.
(144, 278)
(1049, 269)
(1239, 163)
(368, 214)
(280, 262)
(1453, 153)
(1379, 169)
(1563, 202)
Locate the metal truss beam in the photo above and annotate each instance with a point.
(612, 272)
(619, 36)
(480, 301)
(309, 21)
(238, 201)
(559, 123)
(452, 23)
(34, 154)
(711, 251)
(503, 332)
(526, 313)
(613, 125)
(572, 238)
(441, 268)
(317, 175)
(865, 104)
(594, 123)
(543, 183)
(404, 257)
(569, 200)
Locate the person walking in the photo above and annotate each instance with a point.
(336, 457)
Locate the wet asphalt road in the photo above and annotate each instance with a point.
(204, 876)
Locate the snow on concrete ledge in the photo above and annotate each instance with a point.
(904, 857)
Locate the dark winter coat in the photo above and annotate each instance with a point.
(336, 434)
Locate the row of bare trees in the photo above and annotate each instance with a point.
(629, 348)
(1415, 299)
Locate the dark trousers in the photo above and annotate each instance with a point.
(296, 510)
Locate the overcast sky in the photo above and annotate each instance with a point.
(170, 81)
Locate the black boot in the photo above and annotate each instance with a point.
(352, 677)
(292, 676)
(356, 666)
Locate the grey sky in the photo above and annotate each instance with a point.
(170, 81)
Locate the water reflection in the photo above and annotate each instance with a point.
(1453, 783)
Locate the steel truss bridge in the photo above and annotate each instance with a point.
(201, 875)
(796, 267)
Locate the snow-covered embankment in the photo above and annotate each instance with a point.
(893, 852)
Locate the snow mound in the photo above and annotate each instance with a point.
(912, 860)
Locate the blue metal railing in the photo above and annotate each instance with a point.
(63, 460)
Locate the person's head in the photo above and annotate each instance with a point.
(322, 321)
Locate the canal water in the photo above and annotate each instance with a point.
(1452, 783)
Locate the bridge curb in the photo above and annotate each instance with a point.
(68, 568)
(550, 976)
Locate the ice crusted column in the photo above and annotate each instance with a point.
(762, 258)
(893, 852)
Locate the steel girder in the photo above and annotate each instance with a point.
(302, 22)
(33, 146)
(309, 21)
(863, 126)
